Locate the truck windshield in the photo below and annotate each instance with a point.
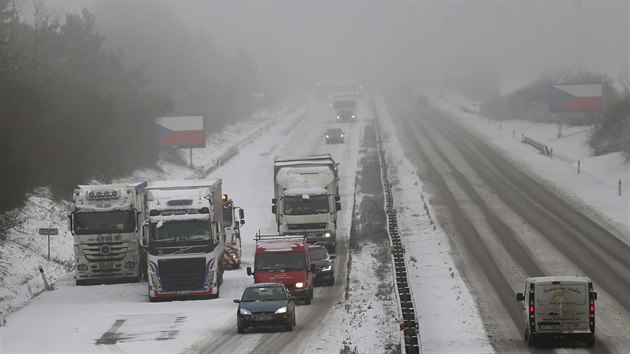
(189, 232)
(228, 216)
(295, 205)
(109, 222)
(274, 261)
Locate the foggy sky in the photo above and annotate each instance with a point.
(313, 40)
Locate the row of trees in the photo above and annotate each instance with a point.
(72, 106)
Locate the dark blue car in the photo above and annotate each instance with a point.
(265, 305)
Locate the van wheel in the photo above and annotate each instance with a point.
(530, 342)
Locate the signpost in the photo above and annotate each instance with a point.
(48, 232)
(183, 132)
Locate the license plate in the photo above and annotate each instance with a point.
(549, 326)
(184, 292)
(107, 265)
(263, 318)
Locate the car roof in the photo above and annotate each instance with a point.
(334, 129)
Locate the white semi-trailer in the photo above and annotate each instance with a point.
(105, 222)
(184, 238)
(306, 197)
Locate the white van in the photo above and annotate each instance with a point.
(558, 308)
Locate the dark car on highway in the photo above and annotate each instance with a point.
(324, 265)
(265, 305)
(334, 135)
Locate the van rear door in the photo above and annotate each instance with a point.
(562, 307)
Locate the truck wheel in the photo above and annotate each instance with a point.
(590, 342)
(332, 281)
(215, 295)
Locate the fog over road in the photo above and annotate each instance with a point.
(505, 225)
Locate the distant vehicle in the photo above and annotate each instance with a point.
(265, 305)
(558, 308)
(345, 107)
(334, 135)
(286, 260)
(324, 265)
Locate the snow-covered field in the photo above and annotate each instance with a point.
(447, 314)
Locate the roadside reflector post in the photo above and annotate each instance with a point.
(49, 231)
(620, 187)
(578, 167)
(46, 285)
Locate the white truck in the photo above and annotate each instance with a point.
(557, 308)
(105, 222)
(306, 198)
(345, 107)
(232, 226)
(184, 238)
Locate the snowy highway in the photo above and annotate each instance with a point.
(506, 226)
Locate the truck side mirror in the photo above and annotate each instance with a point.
(273, 209)
(145, 234)
(274, 201)
(242, 222)
(249, 271)
(520, 297)
(241, 214)
(338, 206)
(594, 295)
(70, 226)
(337, 198)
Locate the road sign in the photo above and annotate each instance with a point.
(49, 231)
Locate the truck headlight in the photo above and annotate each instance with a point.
(282, 310)
(299, 285)
(82, 267)
(327, 234)
(154, 280)
(326, 268)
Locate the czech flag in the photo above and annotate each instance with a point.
(577, 98)
(181, 132)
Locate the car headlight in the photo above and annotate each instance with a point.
(243, 311)
(299, 285)
(327, 234)
(338, 117)
(342, 135)
(327, 136)
(282, 310)
(326, 268)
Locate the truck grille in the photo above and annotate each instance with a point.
(182, 274)
(311, 226)
(105, 252)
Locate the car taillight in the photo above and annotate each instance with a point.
(531, 309)
(592, 308)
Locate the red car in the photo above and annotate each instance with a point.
(286, 260)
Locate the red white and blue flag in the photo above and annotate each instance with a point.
(577, 98)
(181, 132)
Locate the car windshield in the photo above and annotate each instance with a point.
(271, 293)
(273, 261)
(318, 254)
(296, 205)
(109, 222)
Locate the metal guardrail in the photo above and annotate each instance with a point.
(544, 149)
(408, 324)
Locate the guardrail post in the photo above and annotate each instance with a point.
(46, 285)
